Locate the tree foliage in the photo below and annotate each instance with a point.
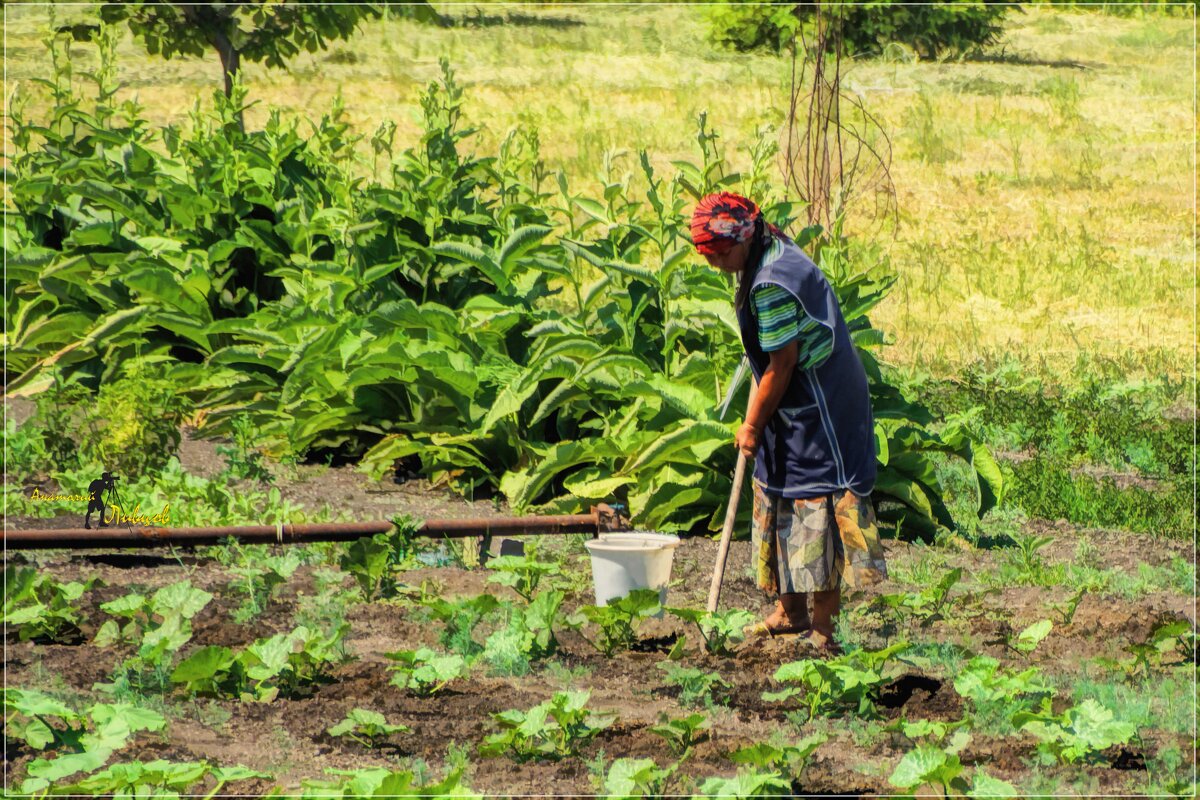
(253, 30)
(865, 28)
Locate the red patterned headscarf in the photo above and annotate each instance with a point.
(721, 220)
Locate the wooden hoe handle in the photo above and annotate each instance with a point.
(714, 592)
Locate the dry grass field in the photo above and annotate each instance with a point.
(1045, 191)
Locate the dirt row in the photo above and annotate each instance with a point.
(288, 739)
(289, 736)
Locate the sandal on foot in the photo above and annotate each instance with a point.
(760, 630)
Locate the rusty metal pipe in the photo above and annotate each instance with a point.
(601, 518)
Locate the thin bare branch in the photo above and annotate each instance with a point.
(831, 161)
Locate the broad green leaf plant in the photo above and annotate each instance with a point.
(368, 728)
(81, 741)
(40, 607)
(555, 348)
(833, 687)
(549, 731)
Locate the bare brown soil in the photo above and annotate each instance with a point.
(287, 737)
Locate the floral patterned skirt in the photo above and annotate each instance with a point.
(807, 545)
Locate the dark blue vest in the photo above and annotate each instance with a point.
(821, 439)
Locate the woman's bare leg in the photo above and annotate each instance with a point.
(791, 612)
(825, 607)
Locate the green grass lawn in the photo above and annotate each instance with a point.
(1044, 191)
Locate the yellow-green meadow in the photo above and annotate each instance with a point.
(1045, 192)
(438, 279)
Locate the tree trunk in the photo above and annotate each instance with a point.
(212, 22)
(230, 59)
(230, 63)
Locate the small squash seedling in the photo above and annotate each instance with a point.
(682, 734)
(550, 731)
(717, 628)
(617, 620)
(424, 671)
(368, 728)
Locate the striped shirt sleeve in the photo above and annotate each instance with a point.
(781, 320)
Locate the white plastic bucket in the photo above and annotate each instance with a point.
(622, 562)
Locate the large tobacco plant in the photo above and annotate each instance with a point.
(476, 317)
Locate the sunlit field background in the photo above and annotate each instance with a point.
(1045, 193)
(251, 327)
